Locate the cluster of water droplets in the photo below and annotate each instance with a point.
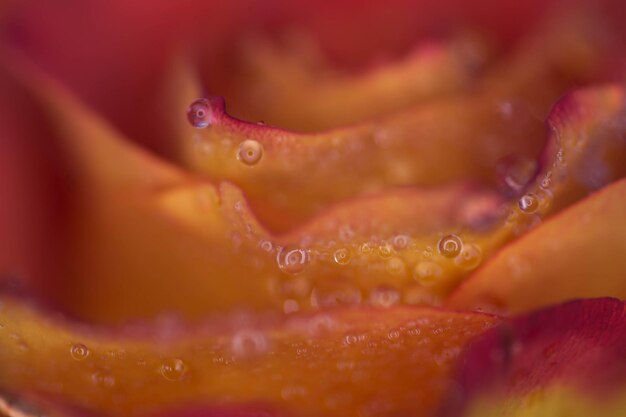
(392, 271)
(201, 116)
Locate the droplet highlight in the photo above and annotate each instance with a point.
(470, 257)
(79, 352)
(529, 203)
(384, 297)
(199, 113)
(173, 369)
(250, 152)
(293, 261)
(248, 343)
(450, 246)
(342, 256)
(427, 273)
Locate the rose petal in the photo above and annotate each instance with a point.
(292, 86)
(578, 345)
(447, 140)
(575, 254)
(337, 363)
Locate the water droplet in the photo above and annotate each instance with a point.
(427, 273)
(366, 248)
(321, 324)
(199, 113)
(266, 246)
(470, 257)
(79, 352)
(248, 343)
(384, 297)
(353, 339)
(401, 242)
(107, 381)
(250, 152)
(335, 296)
(385, 250)
(342, 256)
(450, 246)
(173, 369)
(529, 203)
(514, 172)
(395, 266)
(293, 261)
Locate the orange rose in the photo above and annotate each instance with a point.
(421, 171)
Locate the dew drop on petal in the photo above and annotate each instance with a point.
(321, 324)
(336, 296)
(342, 256)
(266, 246)
(250, 152)
(401, 241)
(293, 261)
(514, 172)
(248, 343)
(366, 248)
(529, 203)
(470, 257)
(385, 250)
(103, 380)
(427, 272)
(199, 113)
(173, 369)
(384, 297)
(450, 246)
(79, 352)
(395, 266)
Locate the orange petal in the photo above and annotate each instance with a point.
(340, 363)
(462, 137)
(294, 88)
(578, 253)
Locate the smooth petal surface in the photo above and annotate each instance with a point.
(341, 362)
(577, 346)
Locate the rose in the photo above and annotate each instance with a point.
(271, 220)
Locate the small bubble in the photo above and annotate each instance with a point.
(346, 295)
(199, 113)
(173, 369)
(353, 339)
(293, 261)
(107, 381)
(529, 203)
(321, 324)
(427, 273)
(247, 343)
(266, 246)
(384, 297)
(470, 257)
(342, 256)
(385, 250)
(401, 241)
(250, 152)
(366, 248)
(395, 266)
(79, 352)
(450, 246)
(514, 172)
